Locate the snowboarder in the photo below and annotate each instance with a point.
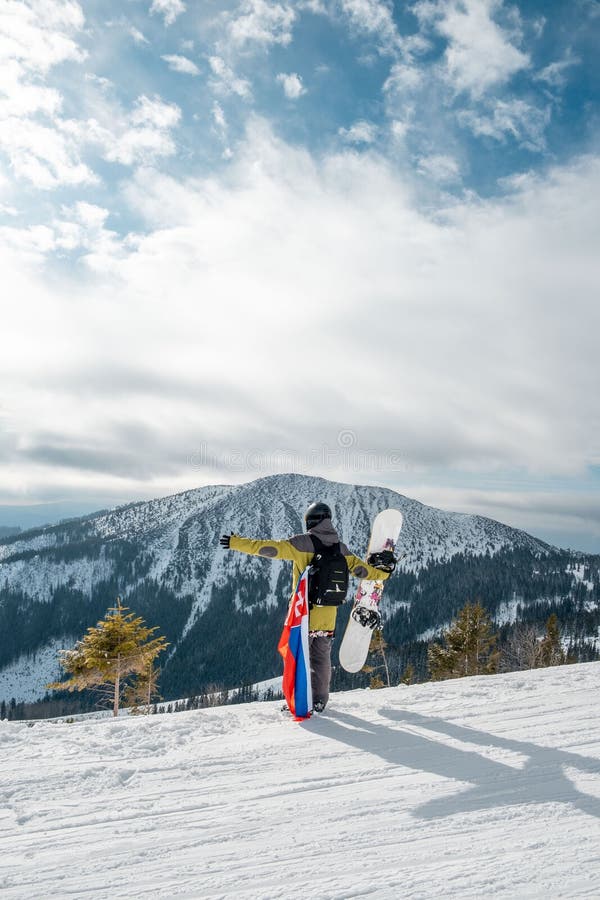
(300, 550)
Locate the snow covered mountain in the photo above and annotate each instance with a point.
(179, 534)
(479, 787)
(163, 557)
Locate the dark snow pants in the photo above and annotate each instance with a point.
(320, 666)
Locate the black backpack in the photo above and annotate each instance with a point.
(328, 575)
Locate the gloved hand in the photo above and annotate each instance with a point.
(384, 560)
(225, 541)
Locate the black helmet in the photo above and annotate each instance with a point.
(315, 513)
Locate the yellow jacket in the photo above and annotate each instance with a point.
(300, 551)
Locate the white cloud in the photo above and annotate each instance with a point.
(220, 126)
(40, 36)
(399, 130)
(22, 99)
(360, 132)
(181, 64)
(262, 23)
(524, 123)
(80, 228)
(292, 85)
(88, 214)
(226, 80)
(137, 36)
(403, 93)
(317, 7)
(43, 154)
(440, 168)
(481, 365)
(129, 137)
(371, 18)
(572, 516)
(104, 83)
(538, 25)
(374, 17)
(403, 78)
(555, 74)
(480, 54)
(218, 115)
(33, 39)
(34, 241)
(412, 45)
(168, 9)
(155, 112)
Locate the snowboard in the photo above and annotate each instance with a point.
(365, 615)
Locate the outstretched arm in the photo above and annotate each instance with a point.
(266, 549)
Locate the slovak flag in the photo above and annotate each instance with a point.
(293, 646)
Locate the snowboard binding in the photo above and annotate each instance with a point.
(383, 559)
(367, 617)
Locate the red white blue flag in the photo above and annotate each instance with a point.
(293, 646)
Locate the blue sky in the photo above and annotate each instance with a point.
(234, 235)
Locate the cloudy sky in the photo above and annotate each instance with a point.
(356, 238)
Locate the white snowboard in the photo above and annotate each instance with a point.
(365, 614)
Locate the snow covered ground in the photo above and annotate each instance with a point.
(473, 788)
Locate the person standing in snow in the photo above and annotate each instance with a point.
(300, 550)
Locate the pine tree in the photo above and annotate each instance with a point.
(118, 646)
(551, 652)
(467, 647)
(3, 710)
(408, 676)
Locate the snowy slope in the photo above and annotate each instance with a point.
(474, 788)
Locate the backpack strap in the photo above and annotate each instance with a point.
(319, 546)
(316, 542)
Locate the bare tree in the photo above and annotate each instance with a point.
(522, 650)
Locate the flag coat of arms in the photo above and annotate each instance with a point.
(293, 646)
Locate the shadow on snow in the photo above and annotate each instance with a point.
(541, 779)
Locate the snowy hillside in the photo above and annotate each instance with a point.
(481, 787)
(25, 677)
(179, 534)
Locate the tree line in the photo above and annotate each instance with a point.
(233, 639)
(117, 659)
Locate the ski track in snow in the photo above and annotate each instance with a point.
(473, 788)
